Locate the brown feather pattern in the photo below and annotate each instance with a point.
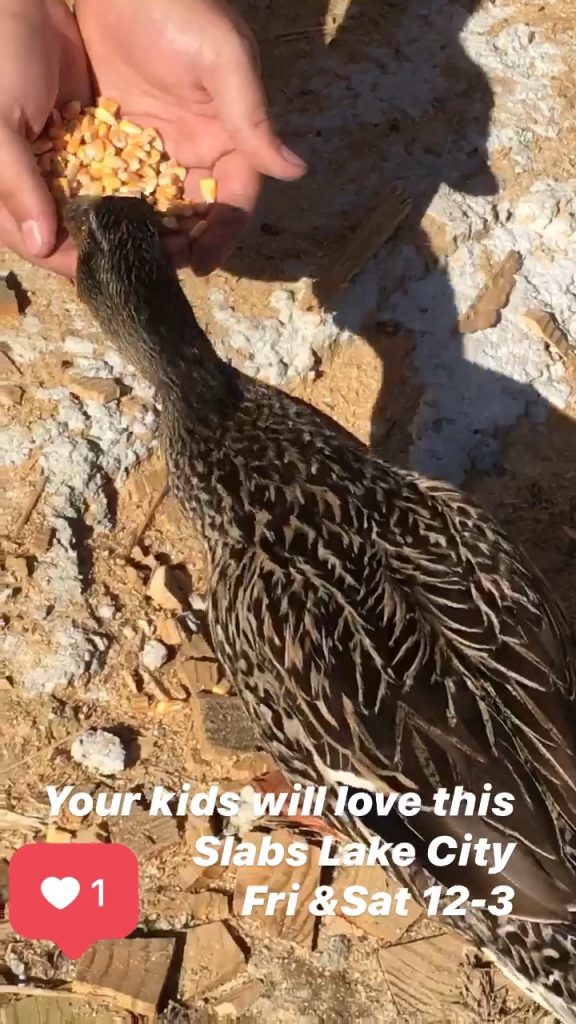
(375, 622)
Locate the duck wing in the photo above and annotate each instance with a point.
(399, 640)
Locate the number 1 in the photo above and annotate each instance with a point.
(99, 884)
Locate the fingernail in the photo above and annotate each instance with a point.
(32, 237)
(293, 158)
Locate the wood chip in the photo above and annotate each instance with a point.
(486, 310)
(301, 926)
(196, 827)
(544, 325)
(8, 368)
(167, 590)
(40, 541)
(17, 566)
(222, 725)
(199, 675)
(131, 971)
(55, 834)
(198, 647)
(209, 906)
(10, 394)
(376, 229)
(389, 928)
(49, 1007)
(169, 631)
(211, 958)
(94, 389)
(21, 822)
(425, 978)
(8, 302)
(154, 503)
(238, 1001)
(146, 836)
(29, 507)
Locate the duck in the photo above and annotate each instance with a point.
(382, 630)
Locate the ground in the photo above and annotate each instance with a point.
(426, 354)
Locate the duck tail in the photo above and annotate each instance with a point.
(540, 959)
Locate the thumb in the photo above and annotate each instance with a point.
(25, 197)
(242, 108)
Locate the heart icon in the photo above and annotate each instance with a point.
(60, 892)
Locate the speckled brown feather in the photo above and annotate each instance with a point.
(377, 624)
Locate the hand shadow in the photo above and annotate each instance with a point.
(394, 97)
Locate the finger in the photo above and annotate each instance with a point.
(242, 107)
(25, 198)
(61, 261)
(238, 190)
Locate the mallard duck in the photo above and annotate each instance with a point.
(382, 630)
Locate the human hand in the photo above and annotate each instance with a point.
(43, 65)
(189, 69)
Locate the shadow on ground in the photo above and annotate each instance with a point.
(394, 97)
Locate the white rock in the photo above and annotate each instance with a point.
(15, 445)
(106, 611)
(154, 655)
(99, 750)
(78, 346)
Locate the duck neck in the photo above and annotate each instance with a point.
(162, 339)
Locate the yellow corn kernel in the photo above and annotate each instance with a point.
(61, 186)
(92, 188)
(103, 130)
(171, 167)
(182, 208)
(208, 190)
(95, 150)
(110, 105)
(114, 162)
(86, 124)
(150, 173)
(117, 138)
(168, 179)
(84, 178)
(104, 116)
(73, 169)
(111, 182)
(130, 190)
(171, 191)
(98, 170)
(75, 142)
(129, 127)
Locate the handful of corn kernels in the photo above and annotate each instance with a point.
(96, 152)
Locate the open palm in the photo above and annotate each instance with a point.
(188, 67)
(43, 65)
